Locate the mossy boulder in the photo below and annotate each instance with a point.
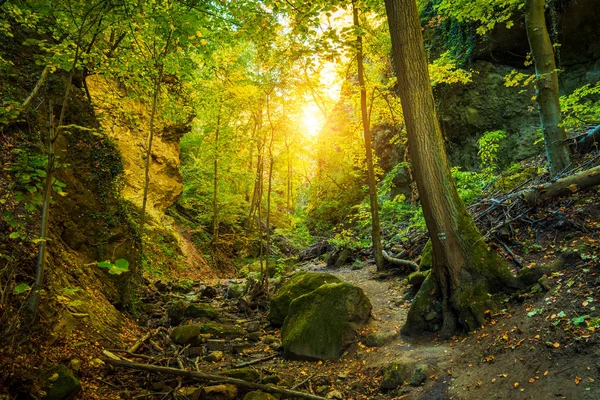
(245, 374)
(61, 384)
(322, 323)
(426, 257)
(187, 334)
(380, 338)
(259, 396)
(201, 310)
(235, 291)
(299, 284)
(176, 312)
(531, 274)
(222, 330)
(339, 258)
(397, 373)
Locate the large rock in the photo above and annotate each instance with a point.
(201, 310)
(187, 334)
(398, 372)
(61, 384)
(322, 323)
(299, 284)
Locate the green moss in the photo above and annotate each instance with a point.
(318, 325)
(426, 257)
(298, 285)
(61, 385)
(186, 334)
(416, 322)
(245, 374)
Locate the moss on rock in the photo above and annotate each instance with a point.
(320, 324)
(397, 373)
(201, 310)
(299, 284)
(259, 396)
(61, 384)
(245, 374)
(186, 334)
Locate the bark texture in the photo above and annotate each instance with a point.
(464, 270)
(555, 138)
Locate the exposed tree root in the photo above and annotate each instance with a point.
(399, 262)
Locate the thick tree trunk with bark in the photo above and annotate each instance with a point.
(375, 225)
(555, 138)
(464, 271)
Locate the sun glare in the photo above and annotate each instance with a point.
(312, 119)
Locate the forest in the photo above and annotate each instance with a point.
(284, 199)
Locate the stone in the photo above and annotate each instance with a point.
(235, 291)
(245, 374)
(201, 310)
(176, 312)
(270, 379)
(214, 356)
(222, 330)
(335, 394)
(255, 336)
(258, 395)
(219, 392)
(253, 326)
(339, 258)
(299, 284)
(208, 292)
(216, 344)
(398, 372)
(75, 365)
(269, 339)
(322, 323)
(61, 384)
(379, 339)
(186, 334)
(420, 374)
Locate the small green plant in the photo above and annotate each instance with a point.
(535, 311)
(22, 288)
(119, 267)
(489, 144)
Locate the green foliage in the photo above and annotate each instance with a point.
(486, 13)
(119, 267)
(489, 143)
(582, 107)
(22, 288)
(445, 70)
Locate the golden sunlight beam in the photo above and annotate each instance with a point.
(313, 120)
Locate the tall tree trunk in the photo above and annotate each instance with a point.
(464, 270)
(148, 157)
(216, 182)
(555, 138)
(53, 134)
(375, 226)
(266, 272)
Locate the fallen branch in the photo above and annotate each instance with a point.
(254, 362)
(140, 342)
(36, 89)
(213, 378)
(399, 262)
(585, 143)
(562, 187)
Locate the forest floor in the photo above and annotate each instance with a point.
(530, 350)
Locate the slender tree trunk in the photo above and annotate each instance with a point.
(157, 85)
(265, 276)
(216, 182)
(464, 270)
(375, 226)
(53, 134)
(555, 138)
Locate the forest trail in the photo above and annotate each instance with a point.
(501, 361)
